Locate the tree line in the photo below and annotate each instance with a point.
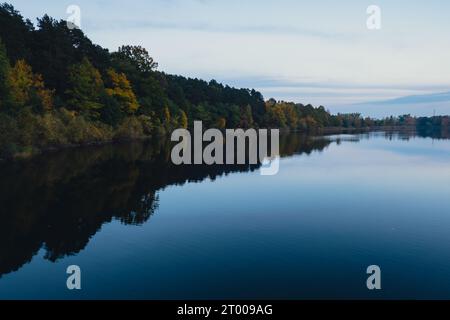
(58, 88)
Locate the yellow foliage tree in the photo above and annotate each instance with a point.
(27, 88)
(167, 115)
(221, 123)
(183, 120)
(122, 91)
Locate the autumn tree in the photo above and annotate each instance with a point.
(28, 89)
(221, 123)
(120, 89)
(246, 117)
(275, 115)
(167, 118)
(291, 115)
(183, 120)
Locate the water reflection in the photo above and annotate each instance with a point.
(59, 201)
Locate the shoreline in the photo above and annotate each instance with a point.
(318, 132)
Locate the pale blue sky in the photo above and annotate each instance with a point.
(316, 52)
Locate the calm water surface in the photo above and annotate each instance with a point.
(140, 227)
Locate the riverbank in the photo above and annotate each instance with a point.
(32, 152)
(342, 130)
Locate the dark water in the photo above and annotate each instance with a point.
(140, 227)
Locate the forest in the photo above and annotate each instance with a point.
(57, 89)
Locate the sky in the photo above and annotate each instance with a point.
(318, 52)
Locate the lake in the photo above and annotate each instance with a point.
(140, 227)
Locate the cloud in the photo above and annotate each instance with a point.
(319, 52)
(207, 27)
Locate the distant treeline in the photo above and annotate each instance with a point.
(58, 88)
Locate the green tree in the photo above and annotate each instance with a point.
(4, 75)
(139, 57)
(15, 32)
(86, 88)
